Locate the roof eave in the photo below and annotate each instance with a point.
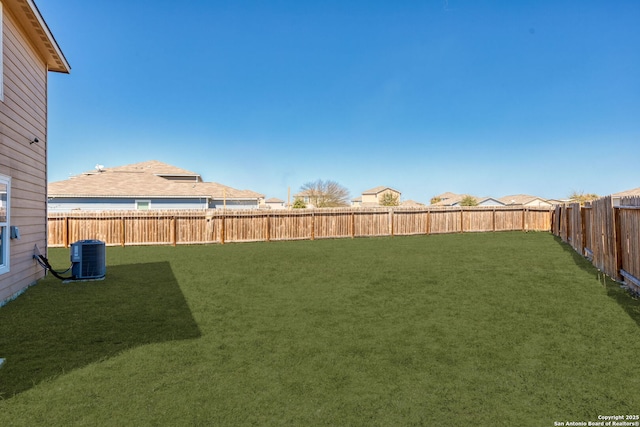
(29, 16)
(125, 196)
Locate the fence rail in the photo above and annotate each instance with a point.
(218, 226)
(606, 234)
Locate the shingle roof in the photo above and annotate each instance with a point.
(118, 184)
(519, 199)
(632, 192)
(411, 203)
(141, 181)
(448, 195)
(151, 166)
(379, 189)
(449, 199)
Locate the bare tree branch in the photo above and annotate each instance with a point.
(325, 194)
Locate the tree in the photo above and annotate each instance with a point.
(299, 204)
(435, 199)
(580, 197)
(325, 194)
(389, 199)
(468, 201)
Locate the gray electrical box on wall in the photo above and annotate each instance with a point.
(15, 232)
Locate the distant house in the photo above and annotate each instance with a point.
(445, 199)
(308, 197)
(615, 198)
(526, 200)
(28, 52)
(374, 197)
(411, 204)
(274, 203)
(318, 198)
(148, 185)
(452, 199)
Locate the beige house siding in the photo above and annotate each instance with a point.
(374, 196)
(23, 117)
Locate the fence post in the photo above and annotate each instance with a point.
(222, 230)
(313, 226)
(268, 227)
(428, 222)
(174, 237)
(122, 232)
(391, 221)
(66, 231)
(493, 220)
(583, 228)
(461, 219)
(618, 239)
(353, 224)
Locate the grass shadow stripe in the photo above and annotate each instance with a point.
(68, 326)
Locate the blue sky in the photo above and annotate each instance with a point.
(489, 98)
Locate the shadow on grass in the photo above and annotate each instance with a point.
(54, 327)
(629, 303)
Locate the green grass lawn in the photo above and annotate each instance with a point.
(468, 329)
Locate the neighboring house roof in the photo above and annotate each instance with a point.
(152, 166)
(489, 201)
(129, 184)
(120, 182)
(380, 189)
(452, 199)
(455, 199)
(30, 18)
(218, 191)
(155, 167)
(449, 199)
(357, 199)
(411, 203)
(626, 193)
(448, 195)
(479, 200)
(520, 199)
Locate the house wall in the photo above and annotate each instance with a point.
(490, 202)
(23, 116)
(369, 198)
(375, 198)
(538, 202)
(234, 204)
(60, 204)
(275, 205)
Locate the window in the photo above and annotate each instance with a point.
(143, 205)
(5, 197)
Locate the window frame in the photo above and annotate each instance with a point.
(148, 202)
(5, 227)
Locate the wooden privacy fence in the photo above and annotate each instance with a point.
(219, 226)
(606, 234)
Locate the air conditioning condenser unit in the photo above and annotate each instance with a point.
(88, 259)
